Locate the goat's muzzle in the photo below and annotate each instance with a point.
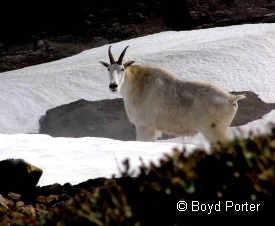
(113, 87)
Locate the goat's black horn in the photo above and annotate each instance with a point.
(112, 61)
(121, 56)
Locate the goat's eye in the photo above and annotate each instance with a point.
(122, 69)
(108, 69)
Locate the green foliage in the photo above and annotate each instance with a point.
(243, 173)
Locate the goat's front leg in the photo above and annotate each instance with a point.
(146, 133)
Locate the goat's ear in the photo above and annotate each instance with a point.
(127, 64)
(104, 63)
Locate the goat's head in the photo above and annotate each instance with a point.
(116, 70)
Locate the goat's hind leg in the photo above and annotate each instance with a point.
(146, 133)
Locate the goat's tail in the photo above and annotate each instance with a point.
(235, 98)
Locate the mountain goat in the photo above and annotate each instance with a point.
(158, 101)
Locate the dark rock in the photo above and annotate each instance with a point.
(67, 188)
(20, 204)
(16, 215)
(40, 206)
(47, 200)
(3, 202)
(54, 189)
(14, 196)
(18, 176)
(64, 197)
(10, 202)
(92, 184)
(27, 210)
(250, 108)
(106, 118)
(3, 210)
(49, 189)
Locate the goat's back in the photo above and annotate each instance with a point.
(148, 79)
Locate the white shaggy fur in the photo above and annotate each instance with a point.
(158, 101)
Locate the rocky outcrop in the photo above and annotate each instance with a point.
(11, 207)
(20, 197)
(14, 208)
(107, 118)
(18, 176)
